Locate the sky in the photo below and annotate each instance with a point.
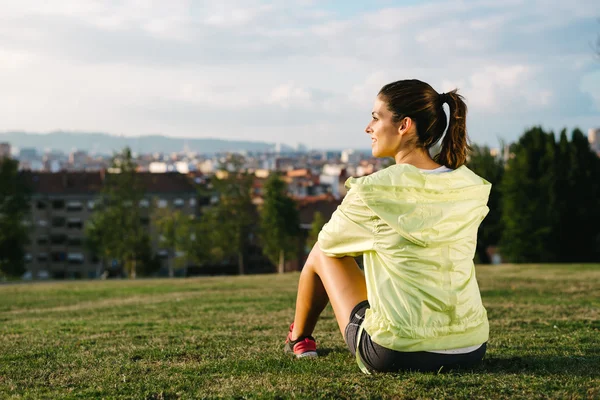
(293, 71)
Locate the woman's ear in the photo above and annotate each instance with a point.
(405, 124)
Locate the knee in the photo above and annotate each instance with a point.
(314, 257)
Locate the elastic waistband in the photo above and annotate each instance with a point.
(358, 307)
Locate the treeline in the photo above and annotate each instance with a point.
(545, 200)
(125, 231)
(223, 231)
(544, 207)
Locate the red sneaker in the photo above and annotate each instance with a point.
(304, 346)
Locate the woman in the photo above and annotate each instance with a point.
(417, 306)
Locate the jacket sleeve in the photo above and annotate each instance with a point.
(350, 231)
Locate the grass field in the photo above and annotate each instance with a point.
(223, 337)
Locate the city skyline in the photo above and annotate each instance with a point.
(292, 72)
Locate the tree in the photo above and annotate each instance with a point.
(580, 213)
(115, 229)
(172, 228)
(280, 222)
(236, 215)
(527, 191)
(148, 263)
(98, 238)
(550, 194)
(562, 196)
(224, 229)
(232, 220)
(491, 168)
(14, 211)
(315, 228)
(204, 244)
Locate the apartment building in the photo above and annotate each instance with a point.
(4, 150)
(63, 203)
(302, 183)
(594, 139)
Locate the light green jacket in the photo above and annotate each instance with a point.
(417, 232)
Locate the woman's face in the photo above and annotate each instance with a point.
(385, 133)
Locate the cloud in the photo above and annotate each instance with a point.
(287, 94)
(233, 68)
(488, 86)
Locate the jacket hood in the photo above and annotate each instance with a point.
(426, 208)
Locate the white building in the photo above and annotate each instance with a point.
(331, 175)
(157, 167)
(184, 167)
(36, 165)
(365, 169)
(78, 158)
(332, 169)
(350, 157)
(332, 181)
(54, 166)
(594, 139)
(207, 166)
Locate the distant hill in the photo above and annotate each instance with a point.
(103, 143)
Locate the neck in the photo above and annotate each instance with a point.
(420, 158)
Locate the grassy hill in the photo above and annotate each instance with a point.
(223, 337)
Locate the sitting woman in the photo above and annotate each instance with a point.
(417, 305)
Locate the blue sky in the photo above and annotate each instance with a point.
(295, 71)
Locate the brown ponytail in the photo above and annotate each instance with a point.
(419, 101)
(455, 146)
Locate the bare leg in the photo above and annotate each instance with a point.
(324, 278)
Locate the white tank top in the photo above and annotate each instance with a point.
(438, 170)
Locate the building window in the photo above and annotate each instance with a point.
(42, 257)
(58, 256)
(162, 203)
(74, 241)
(162, 254)
(91, 204)
(75, 258)
(74, 223)
(74, 206)
(145, 203)
(178, 203)
(58, 239)
(42, 240)
(144, 221)
(41, 205)
(58, 204)
(58, 222)
(28, 258)
(42, 222)
(193, 202)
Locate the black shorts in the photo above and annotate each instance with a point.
(380, 359)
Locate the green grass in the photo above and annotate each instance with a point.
(223, 337)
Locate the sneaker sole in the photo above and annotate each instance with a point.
(307, 354)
